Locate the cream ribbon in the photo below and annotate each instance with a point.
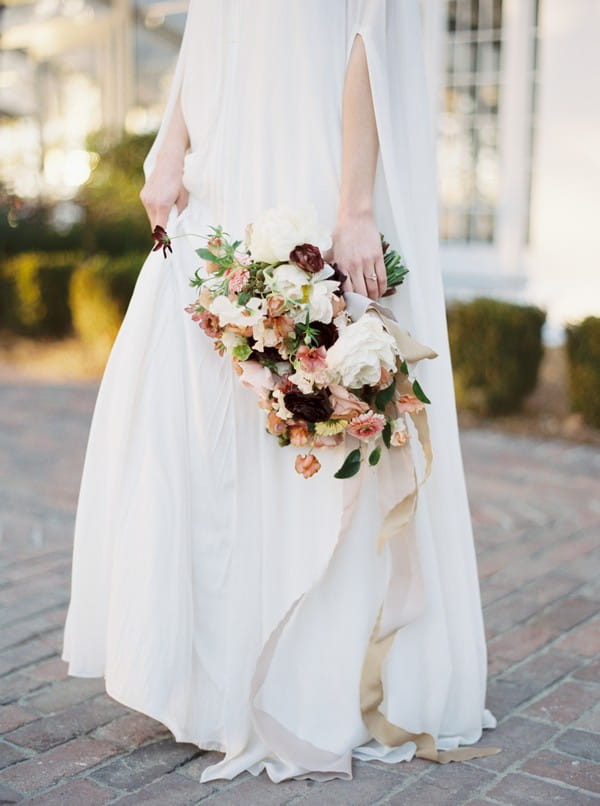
(402, 602)
(405, 574)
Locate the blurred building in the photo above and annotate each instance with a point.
(514, 94)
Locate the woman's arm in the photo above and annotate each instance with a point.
(356, 241)
(164, 187)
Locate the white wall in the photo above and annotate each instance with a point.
(564, 256)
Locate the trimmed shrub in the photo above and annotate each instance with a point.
(496, 351)
(35, 293)
(32, 232)
(583, 351)
(115, 217)
(99, 294)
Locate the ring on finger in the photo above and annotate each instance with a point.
(371, 276)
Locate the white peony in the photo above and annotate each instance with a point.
(231, 314)
(319, 301)
(288, 280)
(362, 350)
(278, 230)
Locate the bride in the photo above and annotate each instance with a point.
(215, 589)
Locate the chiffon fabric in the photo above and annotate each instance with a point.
(213, 587)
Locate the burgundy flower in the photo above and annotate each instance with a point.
(327, 334)
(311, 407)
(307, 257)
(338, 275)
(159, 234)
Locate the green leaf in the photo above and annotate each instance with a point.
(383, 397)
(374, 456)
(419, 393)
(243, 297)
(350, 466)
(404, 367)
(387, 434)
(206, 254)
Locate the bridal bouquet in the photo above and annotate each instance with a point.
(276, 308)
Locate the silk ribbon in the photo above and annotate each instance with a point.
(404, 598)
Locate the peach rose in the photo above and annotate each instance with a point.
(345, 404)
(209, 324)
(275, 304)
(328, 440)
(299, 433)
(275, 424)
(242, 331)
(409, 403)
(307, 465)
(400, 434)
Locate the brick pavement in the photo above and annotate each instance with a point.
(536, 510)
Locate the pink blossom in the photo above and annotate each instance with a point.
(238, 278)
(311, 359)
(367, 425)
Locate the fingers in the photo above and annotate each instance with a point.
(158, 208)
(359, 282)
(372, 281)
(381, 275)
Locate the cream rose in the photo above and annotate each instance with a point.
(278, 230)
(289, 281)
(362, 350)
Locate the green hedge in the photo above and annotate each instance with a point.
(496, 352)
(35, 293)
(99, 293)
(583, 350)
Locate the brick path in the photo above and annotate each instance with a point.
(536, 512)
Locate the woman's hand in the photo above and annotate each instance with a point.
(357, 250)
(164, 188)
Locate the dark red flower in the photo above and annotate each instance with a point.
(311, 407)
(159, 234)
(307, 257)
(338, 275)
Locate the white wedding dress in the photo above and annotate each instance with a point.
(214, 588)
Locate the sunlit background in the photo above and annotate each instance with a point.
(515, 97)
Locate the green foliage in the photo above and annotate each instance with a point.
(583, 351)
(496, 352)
(33, 233)
(350, 465)
(385, 396)
(419, 393)
(34, 288)
(115, 218)
(99, 294)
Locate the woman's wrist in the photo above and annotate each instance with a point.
(349, 214)
(172, 152)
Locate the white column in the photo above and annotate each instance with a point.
(514, 130)
(565, 231)
(433, 15)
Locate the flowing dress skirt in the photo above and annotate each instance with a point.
(213, 587)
